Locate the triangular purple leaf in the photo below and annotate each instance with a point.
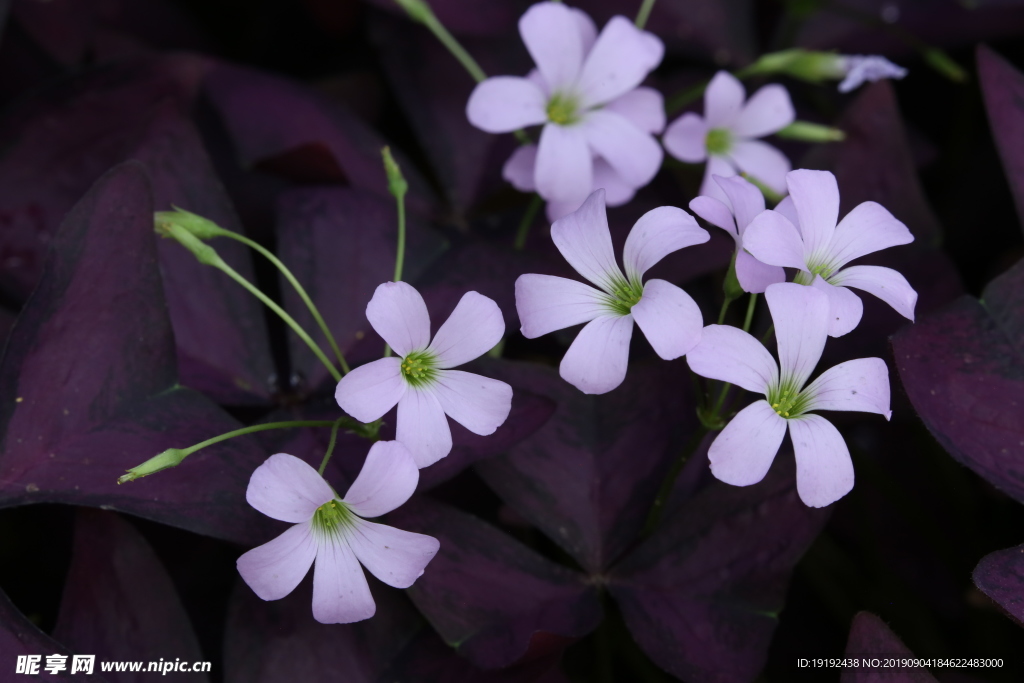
(1003, 88)
(1000, 576)
(871, 638)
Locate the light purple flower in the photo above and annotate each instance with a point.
(726, 135)
(669, 318)
(858, 69)
(420, 381)
(332, 531)
(801, 233)
(743, 452)
(598, 125)
(743, 202)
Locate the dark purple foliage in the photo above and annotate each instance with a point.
(19, 636)
(1003, 88)
(1000, 575)
(871, 638)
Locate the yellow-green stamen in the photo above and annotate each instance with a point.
(718, 141)
(333, 517)
(418, 368)
(563, 109)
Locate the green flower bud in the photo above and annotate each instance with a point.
(203, 228)
(807, 65)
(811, 132)
(417, 9)
(169, 458)
(203, 252)
(397, 184)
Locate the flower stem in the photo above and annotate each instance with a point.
(725, 308)
(330, 446)
(397, 186)
(298, 288)
(751, 305)
(658, 507)
(644, 14)
(527, 221)
(420, 11)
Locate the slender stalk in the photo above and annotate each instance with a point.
(298, 288)
(768, 334)
(400, 255)
(751, 305)
(527, 221)
(644, 14)
(330, 446)
(725, 308)
(421, 12)
(284, 316)
(257, 428)
(658, 507)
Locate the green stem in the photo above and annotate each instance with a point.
(725, 308)
(658, 507)
(400, 255)
(330, 446)
(527, 221)
(751, 305)
(298, 288)
(421, 12)
(280, 312)
(768, 334)
(644, 14)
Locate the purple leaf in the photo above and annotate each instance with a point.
(1003, 89)
(1000, 576)
(963, 370)
(19, 636)
(118, 601)
(7, 319)
(89, 387)
(471, 17)
(702, 595)
(288, 128)
(587, 477)
(870, 637)
(492, 598)
(340, 243)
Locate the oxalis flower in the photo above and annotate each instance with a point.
(725, 135)
(859, 69)
(420, 381)
(745, 449)
(332, 531)
(669, 318)
(744, 202)
(801, 233)
(598, 124)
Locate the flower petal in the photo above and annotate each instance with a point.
(619, 61)
(887, 284)
(287, 488)
(634, 154)
(394, 556)
(616, 190)
(745, 200)
(587, 29)
(546, 303)
(643, 107)
(596, 361)
(551, 33)
(502, 104)
(478, 403)
(717, 166)
(801, 321)
(564, 170)
(731, 355)
(521, 168)
(473, 329)
(340, 592)
(742, 454)
(723, 100)
(555, 209)
(371, 390)
(762, 162)
(768, 110)
(658, 233)
(398, 314)
(867, 229)
(816, 198)
(844, 307)
(860, 385)
(584, 240)
(274, 569)
(669, 318)
(389, 476)
(716, 213)
(754, 276)
(685, 138)
(422, 427)
(824, 471)
(772, 239)
(788, 209)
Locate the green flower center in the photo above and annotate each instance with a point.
(822, 269)
(718, 141)
(563, 109)
(332, 518)
(624, 295)
(787, 401)
(418, 368)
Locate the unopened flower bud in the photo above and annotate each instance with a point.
(203, 228)
(169, 458)
(203, 252)
(397, 185)
(811, 132)
(417, 9)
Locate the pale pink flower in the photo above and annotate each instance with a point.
(332, 531)
(598, 125)
(743, 202)
(743, 452)
(420, 381)
(801, 233)
(596, 361)
(726, 135)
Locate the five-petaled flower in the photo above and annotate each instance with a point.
(598, 125)
(725, 135)
(421, 381)
(596, 361)
(801, 233)
(743, 202)
(745, 449)
(332, 531)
